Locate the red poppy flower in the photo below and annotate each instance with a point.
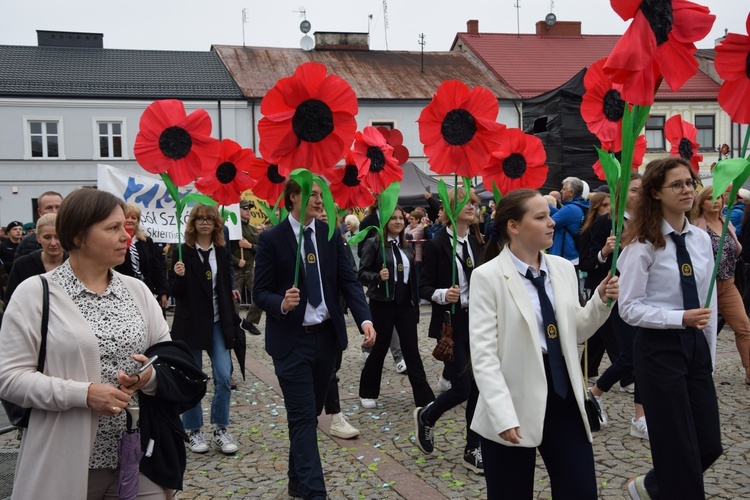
(660, 42)
(346, 188)
(732, 62)
(682, 136)
(638, 153)
(395, 138)
(171, 141)
(228, 178)
(269, 180)
(308, 120)
(602, 106)
(459, 129)
(519, 163)
(375, 162)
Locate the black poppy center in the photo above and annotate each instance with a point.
(312, 121)
(226, 172)
(350, 176)
(747, 65)
(614, 106)
(377, 159)
(514, 166)
(274, 175)
(658, 13)
(458, 127)
(686, 148)
(175, 143)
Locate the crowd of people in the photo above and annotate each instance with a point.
(519, 285)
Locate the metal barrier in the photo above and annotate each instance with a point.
(8, 458)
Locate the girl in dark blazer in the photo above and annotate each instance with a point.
(204, 318)
(399, 308)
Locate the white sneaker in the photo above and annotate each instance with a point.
(223, 441)
(600, 401)
(340, 427)
(638, 428)
(628, 388)
(401, 366)
(368, 403)
(443, 385)
(363, 356)
(198, 442)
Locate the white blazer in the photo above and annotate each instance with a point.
(506, 354)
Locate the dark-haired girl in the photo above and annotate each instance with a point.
(665, 274)
(526, 322)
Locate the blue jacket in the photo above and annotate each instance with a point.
(568, 221)
(736, 217)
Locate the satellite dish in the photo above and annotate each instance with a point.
(550, 19)
(305, 26)
(306, 43)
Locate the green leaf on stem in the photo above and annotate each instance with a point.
(734, 171)
(362, 234)
(328, 204)
(388, 202)
(198, 198)
(497, 195)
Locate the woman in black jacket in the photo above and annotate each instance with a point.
(398, 308)
(204, 318)
(144, 259)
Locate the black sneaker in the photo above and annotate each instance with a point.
(250, 327)
(424, 433)
(473, 461)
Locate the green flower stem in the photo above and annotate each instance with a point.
(719, 251)
(382, 245)
(172, 189)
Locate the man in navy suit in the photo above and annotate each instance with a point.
(305, 325)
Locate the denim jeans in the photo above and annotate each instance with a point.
(221, 366)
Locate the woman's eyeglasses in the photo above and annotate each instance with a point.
(678, 186)
(205, 220)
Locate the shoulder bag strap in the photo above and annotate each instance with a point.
(45, 321)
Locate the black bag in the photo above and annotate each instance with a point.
(18, 415)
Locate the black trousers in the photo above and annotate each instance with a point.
(673, 372)
(333, 403)
(385, 316)
(565, 449)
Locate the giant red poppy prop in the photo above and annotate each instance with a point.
(395, 138)
(518, 163)
(269, 183)
(682, 136)
(732, 63)
(375, 161)
(638, 153)
(172, 142)
(308, 120)
(660, 42)
(459, 129)
(347, 189)
(229, 177)
(602, 106)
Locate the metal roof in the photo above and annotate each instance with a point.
(372, 74)
(113, 73)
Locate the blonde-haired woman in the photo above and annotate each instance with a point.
(204, 318)
(707, 216)
(42, 261)
(143, 259)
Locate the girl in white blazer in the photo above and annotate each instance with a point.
(518, 410)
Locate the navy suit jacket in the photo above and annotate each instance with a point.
(274, 275)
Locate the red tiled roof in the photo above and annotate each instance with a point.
(533, 64)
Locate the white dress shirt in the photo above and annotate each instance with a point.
(404, 260)
(438, 295)
(522, 267)
(212, 263)
(313, 315)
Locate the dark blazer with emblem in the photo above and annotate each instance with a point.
(370, 265)
(436, 273)
(274, 275)
(193, 314)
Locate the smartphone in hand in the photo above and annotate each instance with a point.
(144, 366)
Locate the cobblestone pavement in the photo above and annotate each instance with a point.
(384, 462)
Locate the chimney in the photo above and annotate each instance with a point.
(69, 39)
(472, 27)
(328, 40)
(560, 28)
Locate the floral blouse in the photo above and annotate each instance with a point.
(728, 260)
(118, 324)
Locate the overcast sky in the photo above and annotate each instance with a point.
(197, 24)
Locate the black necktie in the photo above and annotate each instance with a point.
(554, 350)
(206, 264)
(399, 262)
(311, 268)
(468, 264)
(687, 277)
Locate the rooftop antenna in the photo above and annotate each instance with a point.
(302, 12)
(306, 43)
(244, 21)
(385, 22)
(517, 5)
(551, 18)
(422, 43)
(369, 22)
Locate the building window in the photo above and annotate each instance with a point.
(655, 133)
(110, 139)
(390, 125)
(44, 139)
(706, 126)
